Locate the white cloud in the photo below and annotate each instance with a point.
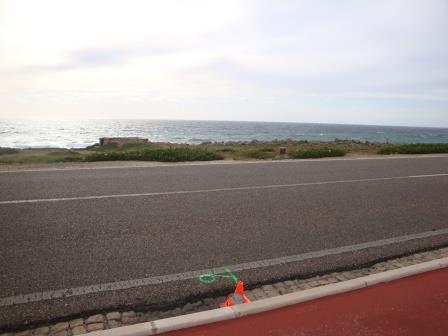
(188, 55)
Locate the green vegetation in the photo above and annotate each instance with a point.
(271, 150)
(259, 154)
(226, 150)
(125, 147)
(250, 150)
(164, 155)
(414, 149)
(316, 153)
(6, 150)
(37, 156)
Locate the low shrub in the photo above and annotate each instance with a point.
(6, 150)
(414, 149)
(226, 150)
(69, 159)
(165, 155)
(316, 153)
(267, 149)
(258, 154)
(64, 152)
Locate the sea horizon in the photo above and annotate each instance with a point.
(53, 133)
(209, 120)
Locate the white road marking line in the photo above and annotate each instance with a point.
(183, 192)
(128, 284)
(226, 162)
(422, 176)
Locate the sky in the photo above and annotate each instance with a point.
(382, 62)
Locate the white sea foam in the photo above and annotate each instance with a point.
(79, 134)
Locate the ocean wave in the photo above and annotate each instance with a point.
(81, 134)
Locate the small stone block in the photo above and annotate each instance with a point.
(187, 307)
(76, 323)
(313, 283)
(95, 326)
(42, 331)
(340, 277)
(79, 330)
(332, 280)
(95, 319)
(267, 287)
(130, 313)
(278, 285)
(113, 316)
(61, 333)
(113, 323)
(59, 327)
(284, 291)
(197, 304)
(129, 319)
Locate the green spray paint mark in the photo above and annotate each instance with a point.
(209, 278)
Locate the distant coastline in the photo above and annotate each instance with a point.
(81, 134)
(123, 150)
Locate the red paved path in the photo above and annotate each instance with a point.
(415, 305)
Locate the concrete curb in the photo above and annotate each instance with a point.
(222, 314)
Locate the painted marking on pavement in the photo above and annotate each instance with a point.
(183, 192)
(209, 278)
(161, 279)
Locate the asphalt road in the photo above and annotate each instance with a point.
(81, 228)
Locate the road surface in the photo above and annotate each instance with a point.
(77, 240)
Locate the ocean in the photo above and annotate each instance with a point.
(79, 134)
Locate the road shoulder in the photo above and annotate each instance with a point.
(112, 319)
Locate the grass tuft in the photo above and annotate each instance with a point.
(260, 154)
(414, 149)
(6, 150)
(316, 153)
(164, 155)
(240, 150)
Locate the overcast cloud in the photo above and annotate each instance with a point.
(362, 62)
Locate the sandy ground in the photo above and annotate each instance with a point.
(133, 164)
